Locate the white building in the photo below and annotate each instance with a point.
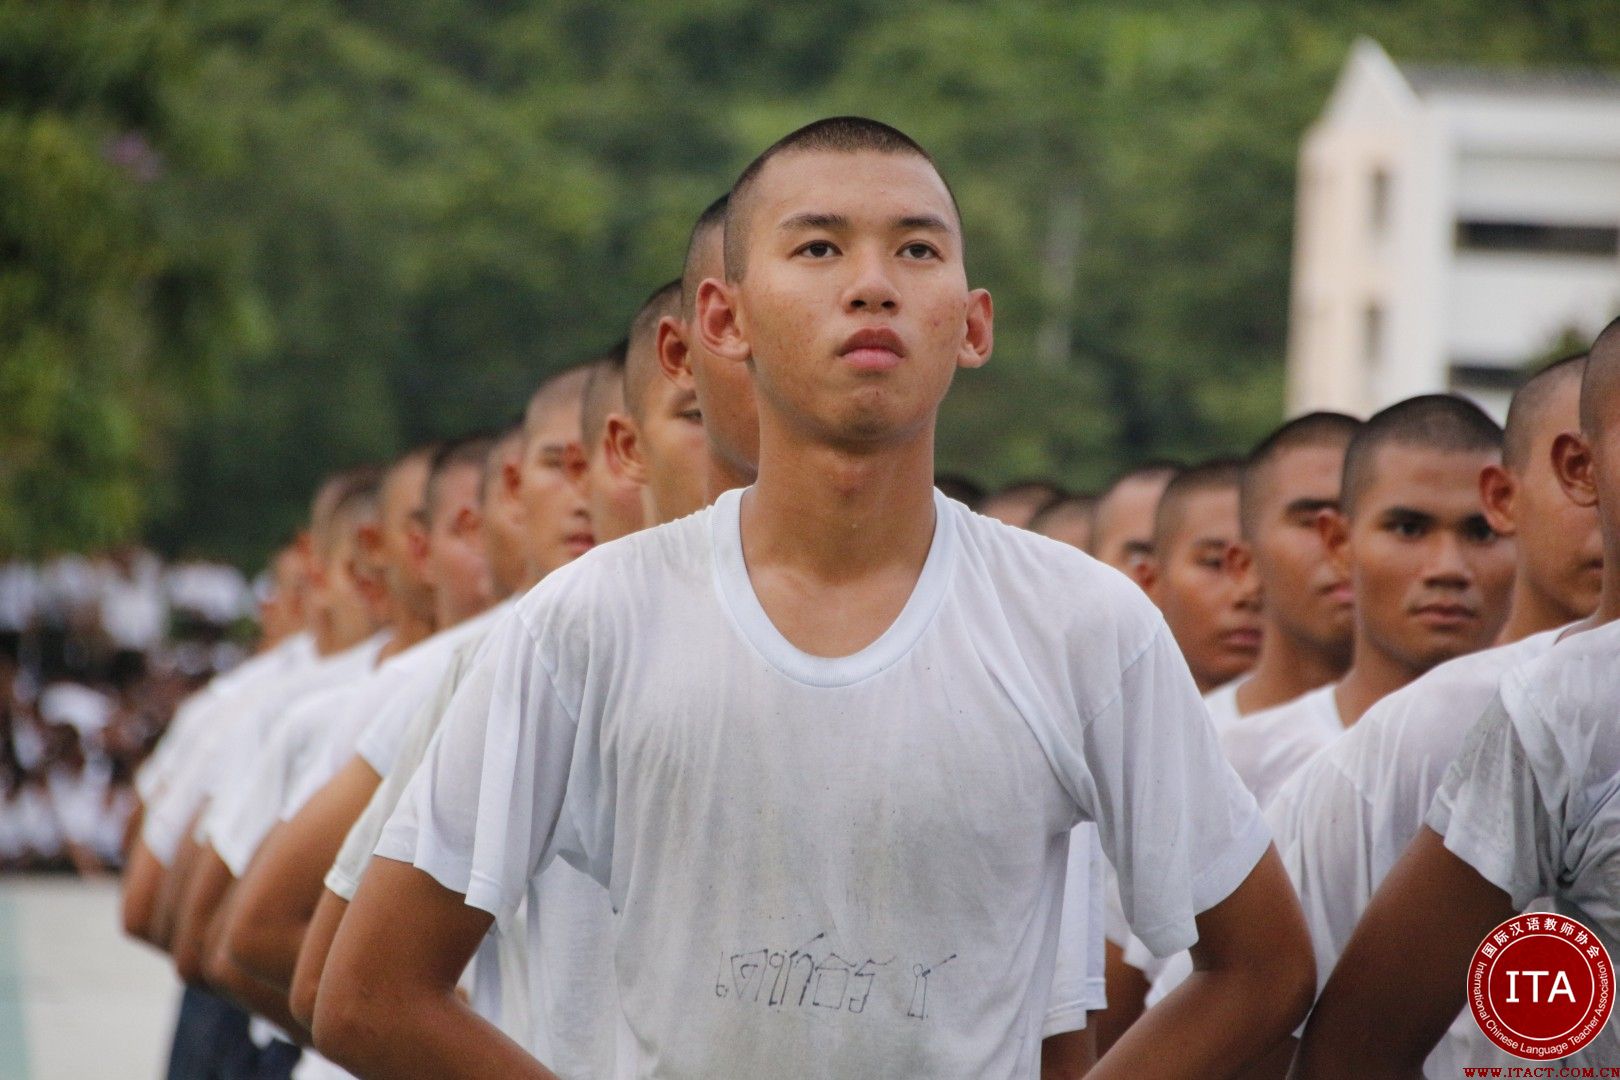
(1452, 226)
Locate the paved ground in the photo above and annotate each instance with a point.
(78, 1000)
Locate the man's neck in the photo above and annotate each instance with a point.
(1530, 612)
(1373, 675)
(1287, 668)
(838, 516)
(409, 628)
(724, 476)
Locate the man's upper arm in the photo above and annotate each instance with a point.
(483, 811)
(1403, 973)
(1176, 822)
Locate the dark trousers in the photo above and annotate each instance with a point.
(276, 1061)
(211, 1040)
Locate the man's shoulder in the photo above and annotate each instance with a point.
(1562, 702)
(621, 577)
(1053, 581)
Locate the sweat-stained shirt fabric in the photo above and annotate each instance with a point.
(851, 864)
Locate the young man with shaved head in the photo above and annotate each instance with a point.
(617, 503)
(1343, 820)
(282, 887)
(1122, 531)
(1214, 615)
(725, 391)
(264, 917)
(660, 443)
(1528, 809)
(342, 611)
(1430, 576)
(1290, 480)
(874, 772)
(273, 753)
(556, 1003)
(1018, 503)
(1070, 520)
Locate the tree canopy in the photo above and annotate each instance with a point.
(243, 242)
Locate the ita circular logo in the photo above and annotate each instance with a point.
(1541, 986)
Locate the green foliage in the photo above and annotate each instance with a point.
(245, 241)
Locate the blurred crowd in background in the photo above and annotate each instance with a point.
(95, 653)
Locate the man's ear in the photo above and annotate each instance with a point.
(623, 449)
(1334, 529)
(981, 330)
(1498, 490)
(575, 464)
(1574, 465)
(417, 545)
(512, 481)
(1144, 570)
(674, 355)
(720, 322)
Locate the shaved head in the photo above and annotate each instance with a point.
(1602, 379)
(1529, 407)
(836, 134)
(1325, 431)
(604, 394)
(1122, 529)
(560, 392)
(1220, 474)
(710, 223)
(641, 357)
(1439, 423)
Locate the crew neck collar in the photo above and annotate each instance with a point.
(742, 603)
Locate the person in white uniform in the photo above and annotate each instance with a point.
(1213, 613)
(1430, 576)
(1528, 809)
(825, 742)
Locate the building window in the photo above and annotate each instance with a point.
(1526, 238)
(1372, 335)
(1378, 203)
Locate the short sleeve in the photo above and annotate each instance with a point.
(1492, 814)
(1324, 832)
(484, 813)
(1176, 822)
(344, 876)
(1079, 960)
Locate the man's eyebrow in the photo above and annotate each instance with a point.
(814, 220)
(1217, 542)
(1406, 513)
(1310, 506)
(921, 222)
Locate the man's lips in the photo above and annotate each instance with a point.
(877, 349)
(579, 542)
(1340, 592)
(1442, 616)
(1245, 639)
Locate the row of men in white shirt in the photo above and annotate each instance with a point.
(1388, 620)
(736, 841)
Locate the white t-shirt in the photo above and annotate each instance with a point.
(197, 712)
(1267, 746)
(1531, 801)
(1223, 714)
(222, 758)
(1079, 979)
(1223, 706)
(1344, 819)
(239, 818)
(852, 864)
(388, 697)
